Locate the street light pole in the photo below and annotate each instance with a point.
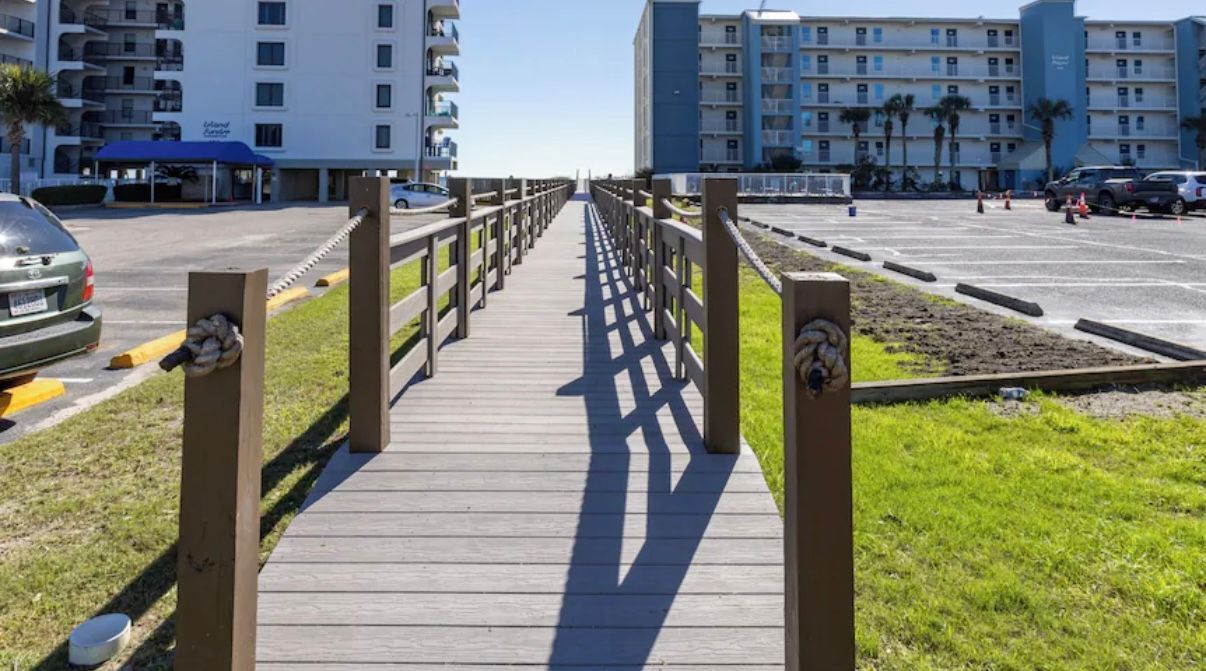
(420, 149)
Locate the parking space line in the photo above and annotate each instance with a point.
(1063, 262)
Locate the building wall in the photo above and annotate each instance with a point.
(674, 47)
(19, 44)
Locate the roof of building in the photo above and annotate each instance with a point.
(227, 153)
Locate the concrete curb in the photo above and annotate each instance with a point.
(334, 279)
(1148, 343)
(782, 231)
(852, 253)
(812, 241)
(1017, 304)
(30, 394)
(923, 275)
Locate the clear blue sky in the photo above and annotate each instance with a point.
(546, 85)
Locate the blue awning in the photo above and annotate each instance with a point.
(227, 153)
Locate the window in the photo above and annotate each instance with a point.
(806, 90)
(879, 149)
(270, 54)
(935, 64)
(806, 34)
(935, 91)
(879, 91)
(1140, 122)
(269, 95)
(385, 15)
(806, 119)
(935, 36)
(1138, 66)
(879, 119)
(383, 137)
(952, 90)
(1138, 94)
(272, 14)
(385, 56)
(1137, 39)
(805, 62)
(877, 35)
(1124, 150)
(269, 135)
(1141, 149)
(385, 96)
(879, 63)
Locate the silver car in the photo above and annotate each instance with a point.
(417, 195)
(1191, 185)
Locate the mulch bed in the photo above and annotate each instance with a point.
(956, 339)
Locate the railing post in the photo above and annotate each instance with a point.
(368, 316)
(502, 242)
(431, 316)
(818, 518)
(217, 559)
(524, 219)
(661, 191)
(628, 192)
(721, 332)
(460, 189)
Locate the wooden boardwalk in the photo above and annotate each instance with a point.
(546, 503)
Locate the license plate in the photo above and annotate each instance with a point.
(26, 303)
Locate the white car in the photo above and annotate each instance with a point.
(417, 195)
(1191, 185)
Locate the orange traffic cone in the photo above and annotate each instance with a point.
(979, 202)
(1083, 206)
(1134, 215)
(1009, 200)
(1069, 218)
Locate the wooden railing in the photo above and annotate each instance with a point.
(218, 553)
(660, 256)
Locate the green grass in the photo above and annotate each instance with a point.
(1052, 541)
(88, 509)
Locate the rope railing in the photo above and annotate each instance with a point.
(423, 210)
(687, 214)
(317, 255)
(748, 252)
(484, 196)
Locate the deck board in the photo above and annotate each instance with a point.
(546, 503)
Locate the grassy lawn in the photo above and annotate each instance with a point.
(88, 509)
(1049, 540)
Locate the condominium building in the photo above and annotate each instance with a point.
(325, 89)
(731, 93)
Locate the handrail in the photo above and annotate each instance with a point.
(748, 252)
(424, 210)
(687, 214)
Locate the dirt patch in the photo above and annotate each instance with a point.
(959, 339)
(1014, 409)
(1124, 403)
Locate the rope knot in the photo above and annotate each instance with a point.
(211, 344)
(820, 358)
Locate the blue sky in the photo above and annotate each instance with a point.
(546, 85)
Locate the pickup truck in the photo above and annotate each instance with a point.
(1111, 189)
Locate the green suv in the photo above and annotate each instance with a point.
(46, 286)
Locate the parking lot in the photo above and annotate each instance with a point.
(1146, 275)
(142, 260)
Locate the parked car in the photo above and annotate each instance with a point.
(1192, 186)
(1110, 189)
(418, 195)
(46, 284)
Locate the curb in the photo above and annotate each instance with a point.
(28, 395)
(812, 241)
(782, 231)
(1017, 304)
(334, 279)
(923, 275)
(161, 347)
(1159, 346)
(854, 254)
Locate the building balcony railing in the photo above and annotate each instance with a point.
(722, 156)
(169, 103)
(125, 118)
(966, 43)
(1149, 130)
(143, 84)
(1113, 73)
(5, 59)
(6, 147)
(1132, 102)
(777, 43)
(69, 55)
(720, 70)
(1115, 44)
(17, 26)
(70, 17)
(445, 109)
(720, 98)
(943, 71)
(121, 50)
(446, 149)
(170, 61)
(66, 90)
(121, 18)
(778, 106)
(718, 38)
(776, 74)
(445, 69)
(778, 138)
(444, 29)
(723, 126)
(87, 130)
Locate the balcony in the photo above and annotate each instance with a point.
(125, 117)
(778, 75)
(128, 85)
(440, 156)
(720, 156)
(82, 131)
(778, 106)
(90, 20)
(5, 59)
(121, 51)
(1113, 73)
(443, 115)
(81, 57)
(17, 28)
(1111, 102)
(965, 70)
(718, 38)
(443, 77)
(720, 98)
(136, 18)
(66, 91)
(444, 9)
(721, 127)
(6, 147)
(726, 69)
(1151, 131)
(778, 138)
(443, 38)
(781, 43)
(965, 43)
(169, 102)
(1113, 44)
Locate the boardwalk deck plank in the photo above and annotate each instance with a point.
(546, 503)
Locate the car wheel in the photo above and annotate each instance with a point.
(1051, 201)
(1106, 204)
(401, 204)
(1177, 207)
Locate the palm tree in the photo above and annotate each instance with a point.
(1197, 125)
(27, 96)
(1046, 112)
(891, 110)
(938, 114)
(954, 104)
(904, 109)
(857, 118)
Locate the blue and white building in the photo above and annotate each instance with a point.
(729, 93)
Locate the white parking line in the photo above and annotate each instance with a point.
(75, 380)
(1062, 262)
(1058, 285)
(146, 322)
(104, 288)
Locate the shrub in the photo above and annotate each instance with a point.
(75, 194)
(141, 193)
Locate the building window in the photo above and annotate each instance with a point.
(879, 63)
(936, 91)
(272, 14)
(383, 137)
(1137, 39)
(877, 35)
(935, 64)
(879, 91)
(879, 119)
(806, 34)
(385, 15)
(935, 36)
(1141, 151)
(1138, 94)
(1124, 152)
(385, 96)
(385, 56)
(270, 54)
(269, 95)
(879, 149)
(1138, 66)
(269, 135)
(952, 90)
(805, 63)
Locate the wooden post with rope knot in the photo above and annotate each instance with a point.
(217, 559)
(818, 517)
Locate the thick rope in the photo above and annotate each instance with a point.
(319, 254)
(687, 214)
(422, 210)
(212, 344)
(748, 252)
(819, 357)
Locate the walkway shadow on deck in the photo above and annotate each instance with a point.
(678, 513)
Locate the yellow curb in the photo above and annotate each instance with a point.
(334, 278)
(28, 395)
(161, 347)
(286, 297)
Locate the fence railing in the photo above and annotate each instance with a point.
(769, 184)
(224, 404)
(661, 256)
